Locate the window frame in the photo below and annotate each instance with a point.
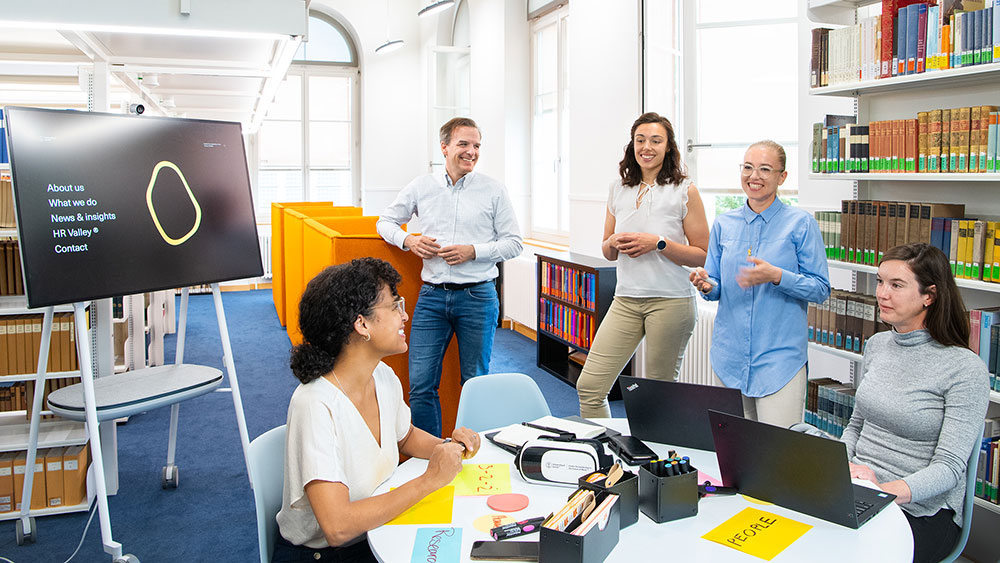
(560, 18)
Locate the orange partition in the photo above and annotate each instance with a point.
(326, 242)
(292, 241)
(278, 249)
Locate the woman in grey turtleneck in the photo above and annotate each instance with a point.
(922, 400)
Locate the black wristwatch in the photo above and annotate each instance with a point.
(661, 244)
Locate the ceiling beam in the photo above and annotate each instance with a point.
(282, 59)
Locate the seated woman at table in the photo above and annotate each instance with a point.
(922, 399)
(347, 422)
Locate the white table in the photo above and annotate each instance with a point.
(884, 538)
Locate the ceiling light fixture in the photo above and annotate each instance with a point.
(390, 45)
(436, 7)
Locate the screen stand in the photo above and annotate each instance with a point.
(126, 394)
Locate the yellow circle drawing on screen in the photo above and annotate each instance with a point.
(152, 211)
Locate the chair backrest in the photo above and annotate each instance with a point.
(267, 469)
(970, 493)
(499, 399)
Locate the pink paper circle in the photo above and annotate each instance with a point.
(511, 502)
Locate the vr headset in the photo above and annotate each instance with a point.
(559, 461)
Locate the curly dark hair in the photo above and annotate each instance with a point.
(946, 321)
(672, 171)
(328, 308)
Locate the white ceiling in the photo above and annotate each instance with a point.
(226, 75)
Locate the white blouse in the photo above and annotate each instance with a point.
(328, 440)
(662, 213)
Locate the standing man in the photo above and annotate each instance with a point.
(468, 226)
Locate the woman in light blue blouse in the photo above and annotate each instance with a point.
(765, 263)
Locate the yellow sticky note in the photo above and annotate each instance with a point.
(758, 533)
(434, 508)
(477, 479)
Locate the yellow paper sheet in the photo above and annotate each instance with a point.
(758, 533)
(477, 479)
(435, 508)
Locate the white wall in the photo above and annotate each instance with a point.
(393, 95)
(604, 101)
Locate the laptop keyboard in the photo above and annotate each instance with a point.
(861, 506)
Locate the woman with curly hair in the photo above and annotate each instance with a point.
(347, 422)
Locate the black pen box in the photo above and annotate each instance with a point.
(663, 499)
(593, 547)
(627, 489)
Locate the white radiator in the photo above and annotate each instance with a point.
(265, 252)
(696, 367)
(520, 290)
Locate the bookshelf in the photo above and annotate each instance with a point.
(574, 294)
(901, 98)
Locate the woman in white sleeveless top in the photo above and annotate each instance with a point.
(655, 223)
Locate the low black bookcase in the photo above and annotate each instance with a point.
(574, 294)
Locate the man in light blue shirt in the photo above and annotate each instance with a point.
(468, 225)
(768, 262)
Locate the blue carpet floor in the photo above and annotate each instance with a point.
(210, 516)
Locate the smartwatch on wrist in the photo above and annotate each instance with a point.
(661, 244)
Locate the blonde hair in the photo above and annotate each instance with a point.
(768, 143)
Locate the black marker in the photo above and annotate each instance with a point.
(515, 529)
(683, 466)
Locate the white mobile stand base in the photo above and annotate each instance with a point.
(107, 398)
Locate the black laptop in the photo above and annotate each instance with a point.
(791, 469)
(674, 413)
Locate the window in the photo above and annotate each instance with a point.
(308, 143)
(550, 127)
(731, 97)
(450, 83)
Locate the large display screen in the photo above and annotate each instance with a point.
(114, 204)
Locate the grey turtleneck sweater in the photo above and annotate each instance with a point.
(919, 411)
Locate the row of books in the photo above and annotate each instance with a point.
(959, 140)
(863, 230)
(829, 405)
(20, 340)
(4, 155)
(846, 320)
(984, 339)
(567, 323)
(19, 395)
(908, 37)
(60, 478)
(988, 470)
(7, 220)
(569, 284)
(11, 282)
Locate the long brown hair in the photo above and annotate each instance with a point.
(671, 172)
(946, 320)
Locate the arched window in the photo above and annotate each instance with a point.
(308, 148)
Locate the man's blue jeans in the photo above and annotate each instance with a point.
(470, 314)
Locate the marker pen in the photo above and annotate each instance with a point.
(707, 280)
(515, 529)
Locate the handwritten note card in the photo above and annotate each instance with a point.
(482, 479)
(434, 508)
(758, 533)
(439, 545)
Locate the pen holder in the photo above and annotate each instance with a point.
(627, 489)
(668, 498)
(593, 547)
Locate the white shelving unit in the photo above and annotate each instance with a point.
(14, 424)
(902, 97)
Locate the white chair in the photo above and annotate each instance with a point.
(267, 470)
(499, 399)
(970, 494)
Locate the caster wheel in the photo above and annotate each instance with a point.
(24, 536)
(127, 558)
(171, 475)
